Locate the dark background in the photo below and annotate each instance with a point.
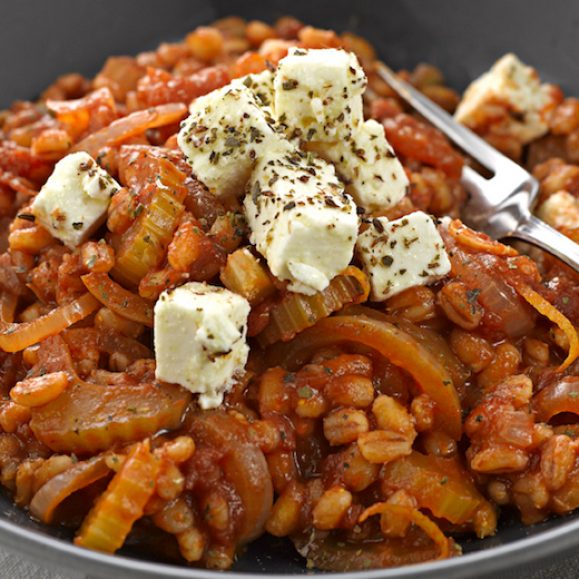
(40, 39)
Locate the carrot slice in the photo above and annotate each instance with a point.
(430, 528)
(118, 299)
(111, 519)
(16, 337)
(554, 315)
(478, 241)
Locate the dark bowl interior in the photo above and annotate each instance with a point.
(41, 40)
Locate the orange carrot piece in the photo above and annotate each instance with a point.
(478, 241)
(430, 528)
(554, 315)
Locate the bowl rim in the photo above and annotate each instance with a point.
(55, 552)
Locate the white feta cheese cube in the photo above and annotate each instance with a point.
(227, 131)
(318, 94)
(366, 163)
(261, 85)
(509, 99)
(301, 220)
(200, 339)
(560, 210)
(401, 254)
(73, 202)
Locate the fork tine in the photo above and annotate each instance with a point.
(463, 137)
(473, 178)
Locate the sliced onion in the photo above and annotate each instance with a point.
(130, 126)
(504, 308)
(330, 553)
(17, 337)
(243, 464)
(57, 489)
(396, 345)
(431, 340)
(118, 299)
(246, 469)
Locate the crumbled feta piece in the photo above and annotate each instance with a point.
(301, 220)
(200, 339)
(401, 254)
(227, 131)
(509, 99)
(318, 94)
(365, 161)
(261, 85)
(560, 210)
(73, 202)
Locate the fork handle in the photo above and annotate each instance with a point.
(538, 233)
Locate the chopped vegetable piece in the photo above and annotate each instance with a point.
(440, 485)
(111, 341)
(557, 398)
(118, 299)
(145, 243)
(87, 417)
(394, 344)
(50, 495)
(130, 126)
(508, 313)
(427, 525)
(549, 311)
(16, 337)
(116, 510)
(246, 276)
(330, 552)
(296, 312)
(478, 241)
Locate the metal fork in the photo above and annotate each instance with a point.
(499, 206)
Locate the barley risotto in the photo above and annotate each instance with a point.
(236, 298)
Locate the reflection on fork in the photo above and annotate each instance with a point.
(500, 206)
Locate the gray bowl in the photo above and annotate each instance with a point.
(42, 39)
